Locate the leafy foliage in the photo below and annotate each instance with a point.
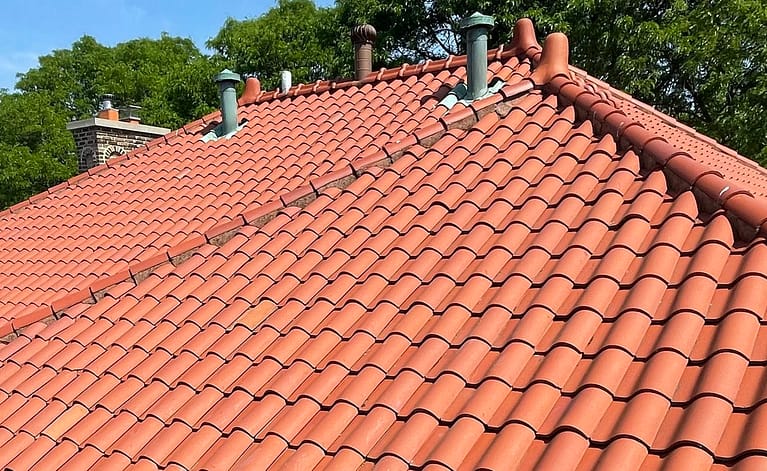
(296, 35)
(36, 151)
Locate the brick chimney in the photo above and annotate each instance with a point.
(110, 133)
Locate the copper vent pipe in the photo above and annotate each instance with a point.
(363, 37)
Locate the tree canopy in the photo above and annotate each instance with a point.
(295, 35)
(168, 77)
(702, 61)
(36, 150)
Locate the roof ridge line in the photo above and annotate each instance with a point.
(709, 183)
(254, 95)
(666, 118)
(747, 214)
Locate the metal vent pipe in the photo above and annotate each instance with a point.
(227, 81)
(477, 30)
(363, 37)
(286, 81)
(106, 101)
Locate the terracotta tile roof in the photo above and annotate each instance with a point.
(179, 187)
(549, 278)
(738, 169)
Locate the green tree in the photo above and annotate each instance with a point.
(69, 78)
(168, 77)
(296, 35)
(36, 150)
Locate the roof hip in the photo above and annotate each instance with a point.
(712, 191)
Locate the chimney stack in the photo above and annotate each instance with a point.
(111, 132)
(477, 29)
(106, 110)
(363, 37)
(227, 80)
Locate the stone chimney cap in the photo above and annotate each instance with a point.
(477, 19)
(363, 34)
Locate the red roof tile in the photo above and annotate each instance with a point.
(558, 277)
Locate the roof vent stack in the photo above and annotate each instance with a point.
(477, 30)
(363, 37)
(227, 80)
(286, 81)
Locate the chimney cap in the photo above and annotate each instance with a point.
(477, 19)
(363, 34)
(227, 75)
(106, 101)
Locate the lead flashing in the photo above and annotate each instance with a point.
(459, 94)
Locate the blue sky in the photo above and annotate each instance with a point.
(31, 28)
